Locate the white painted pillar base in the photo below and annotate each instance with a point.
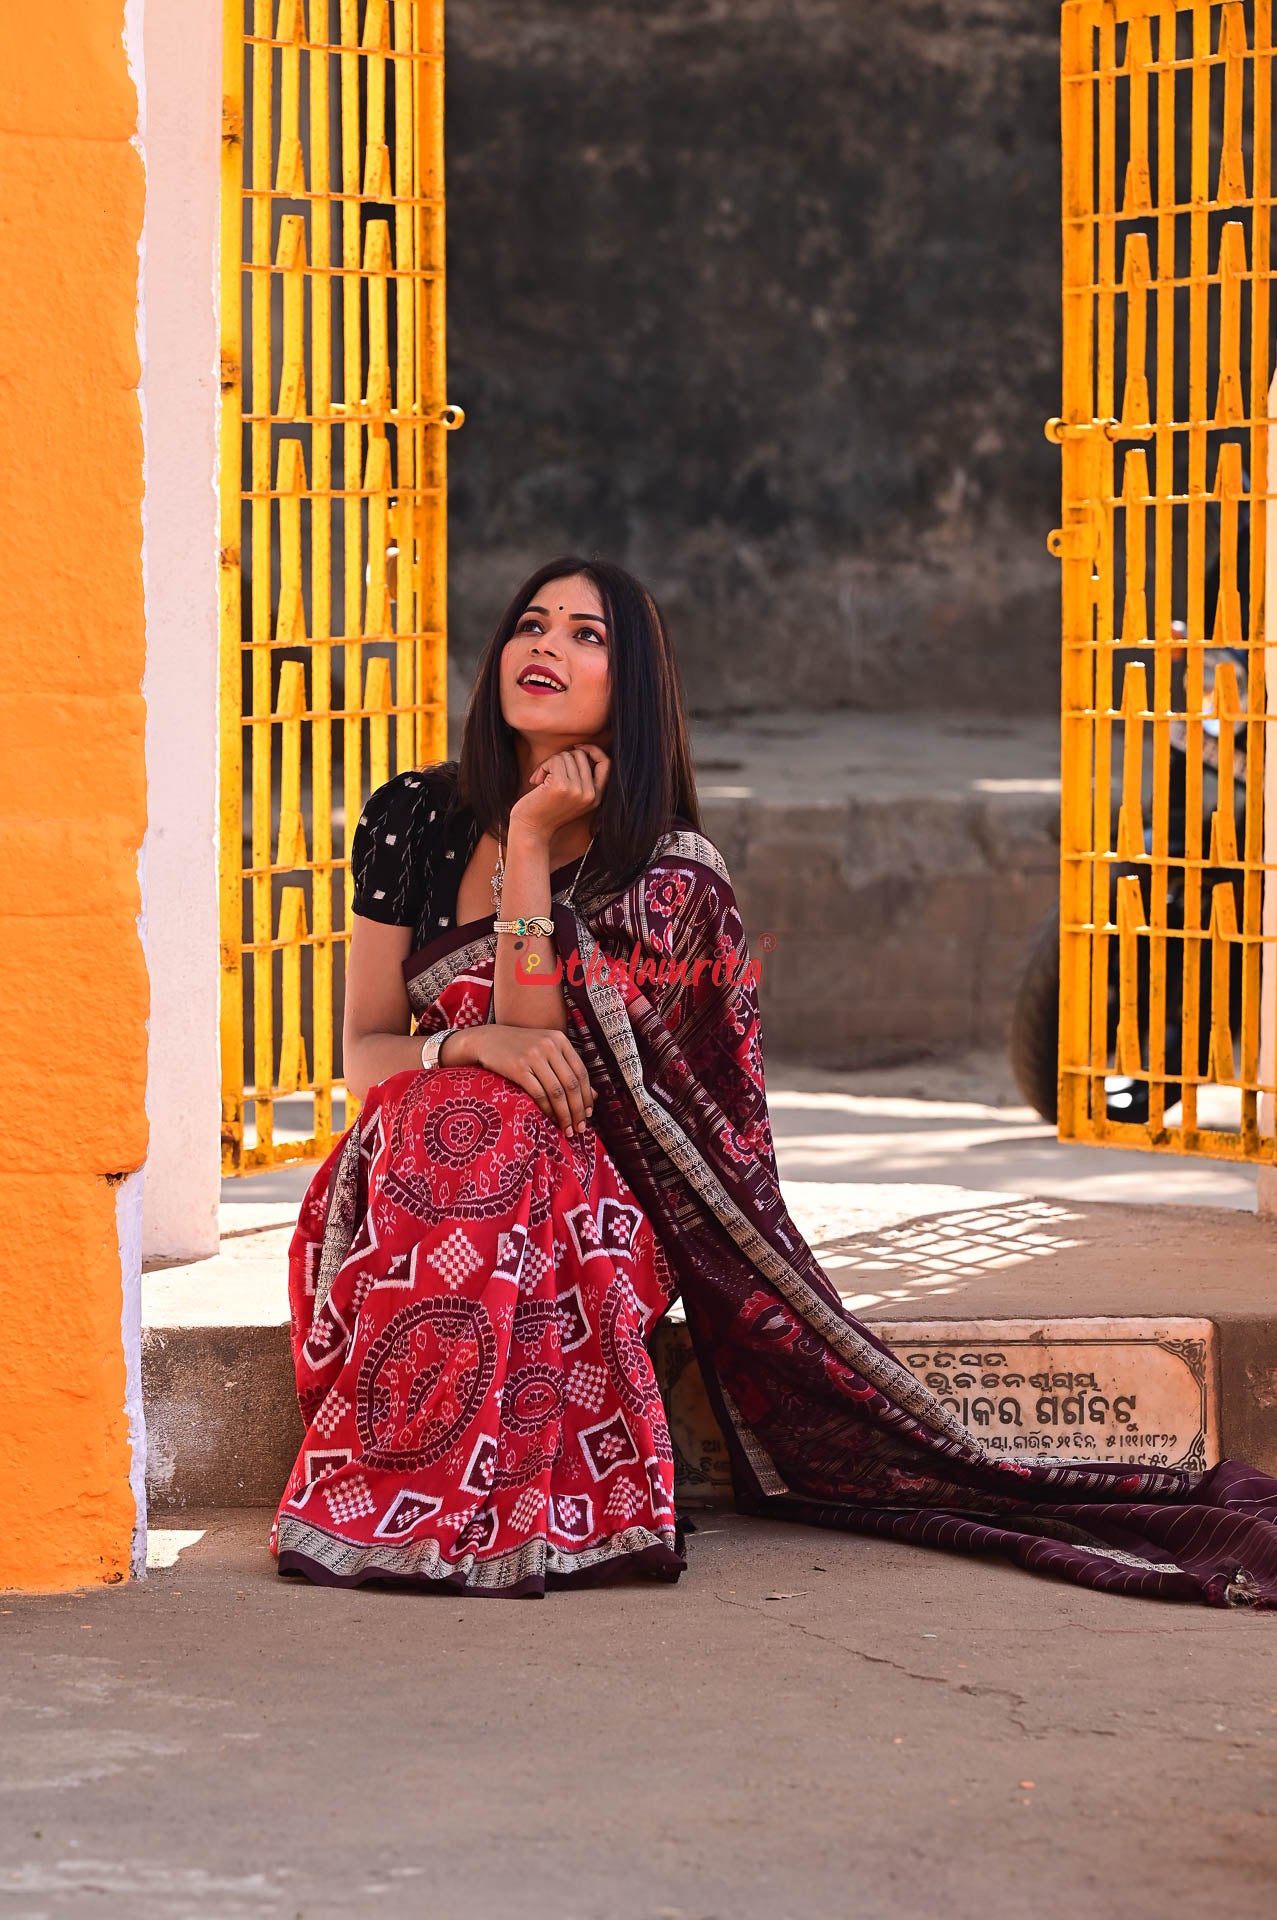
(128, 1225)
(183, 93)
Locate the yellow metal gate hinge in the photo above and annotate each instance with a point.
(1077, 540)
(1081, 535)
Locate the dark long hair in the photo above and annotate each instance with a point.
(651, 786)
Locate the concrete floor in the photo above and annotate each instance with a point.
(807, 1726)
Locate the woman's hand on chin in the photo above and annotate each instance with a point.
(563, 788)
(541, 1060)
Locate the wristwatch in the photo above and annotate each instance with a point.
(432, 1045)
(525, 924)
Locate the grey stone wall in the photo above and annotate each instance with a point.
(762, 299)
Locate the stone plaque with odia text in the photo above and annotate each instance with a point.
(1137, 1390)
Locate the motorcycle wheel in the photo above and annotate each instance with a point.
(1035, 1022)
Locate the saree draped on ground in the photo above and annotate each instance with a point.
(823, 1424)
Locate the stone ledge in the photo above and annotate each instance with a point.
(929, 1268)
(940, 835)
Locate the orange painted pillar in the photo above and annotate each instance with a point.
(73, 982)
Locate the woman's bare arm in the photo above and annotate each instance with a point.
(519, 997)
(565, 787)
(376, 1029)
(376, 1041)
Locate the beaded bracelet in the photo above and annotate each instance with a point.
(525, 924)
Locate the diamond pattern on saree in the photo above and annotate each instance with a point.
(482, 1465)
(526, 1509)
(605, 1232)
(607, 1446)
(587, 1385)
(512, 1250)
(624, 1500)
(572, 1515)
(406, 1511)
(537, 1268)
(349, 1499)
(574, 1322)
(456, 1259)
(318, 1461)
(332, 1413)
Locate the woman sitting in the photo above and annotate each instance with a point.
(577, 1133)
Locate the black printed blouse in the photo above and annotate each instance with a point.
(411, 846)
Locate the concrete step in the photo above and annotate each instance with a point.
(898, 865)
(1058, 1326)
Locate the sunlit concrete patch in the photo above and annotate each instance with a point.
(945, 1249)
(1016, 786)
(882, 1242)
(246, 1284)
(897, 1106)
(962, 1122)
(239, 1896)
(50, 1763)
(165, 1544)
(827, 1212)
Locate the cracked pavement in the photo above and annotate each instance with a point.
(807, 1725)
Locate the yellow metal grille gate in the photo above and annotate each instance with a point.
(1167, 910)
(333, 514)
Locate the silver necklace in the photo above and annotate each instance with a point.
(498, 873)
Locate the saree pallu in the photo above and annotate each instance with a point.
(823, 1423)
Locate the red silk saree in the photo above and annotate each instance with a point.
(472, 1292)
